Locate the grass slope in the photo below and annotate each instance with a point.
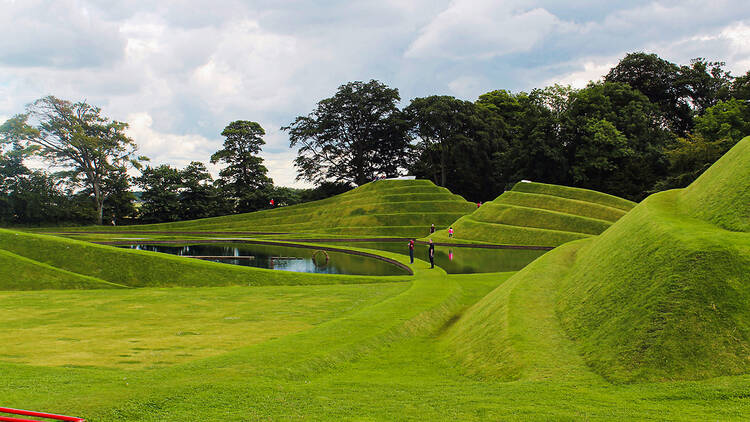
(661, 295)
(539, 214)
(665, 292)
(80, 260)
(380, 208)
(19, 273)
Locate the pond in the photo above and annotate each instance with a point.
(283, 258)
(461, 260)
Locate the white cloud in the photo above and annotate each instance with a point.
(592, 69)
(482, 29)
(468, 87)
(177, 150)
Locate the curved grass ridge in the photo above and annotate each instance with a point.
(538, 214)
(663, 294)
(20, 273)
(721, 195)
(382, 208)
(46, 258)
(579, 194)
(513, 333)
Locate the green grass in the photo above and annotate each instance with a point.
(19, 273)
(579, 194)
(390, 359)
(664, 293)
(161, 327)
(721, 194)
(381, 208)
(539, 214)
(661, 296)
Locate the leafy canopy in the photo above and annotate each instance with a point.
(352, 137)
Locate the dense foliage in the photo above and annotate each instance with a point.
(354, 136)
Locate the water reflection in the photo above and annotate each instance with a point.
(461, 260)
(279, 258)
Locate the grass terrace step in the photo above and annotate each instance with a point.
(556, 203)
(547, 218)
(384, 203)
(585, 195)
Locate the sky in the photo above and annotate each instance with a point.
(179, 71)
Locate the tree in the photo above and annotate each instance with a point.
(199, 197)
(439, 123)
(641, 162)
(324, 190)
(160, 197)
(662, 82)
(354, 136)
(244, 178)
(529, 125)
(599, 154)
(78, 137)
(707, 83)
(741, 87)
(716, 132)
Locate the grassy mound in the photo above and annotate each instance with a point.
(382, 208)
(21, 273)
(663, 294)
(540, 214)
(54, 262)
(721, 194)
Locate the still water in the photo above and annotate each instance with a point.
(279, 258)
(461, 260)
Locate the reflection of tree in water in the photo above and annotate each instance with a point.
(281, 258)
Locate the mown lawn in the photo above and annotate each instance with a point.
(152, 328)
(411, 376)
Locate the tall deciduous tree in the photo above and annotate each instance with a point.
(79, 137)
(354, 136)
(244, 178)
(662, 82)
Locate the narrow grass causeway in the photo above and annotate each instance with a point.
(539, 214)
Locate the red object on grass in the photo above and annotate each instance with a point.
(36, 414)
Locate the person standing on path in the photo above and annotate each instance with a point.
(411, 250)
(450, 232)
(432, 228)
(432, 254)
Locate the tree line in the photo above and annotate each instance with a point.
(648, 125)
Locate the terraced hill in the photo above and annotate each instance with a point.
(381, 208)
(539, 214)
(664, 294)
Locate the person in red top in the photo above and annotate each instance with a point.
(411, 250)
